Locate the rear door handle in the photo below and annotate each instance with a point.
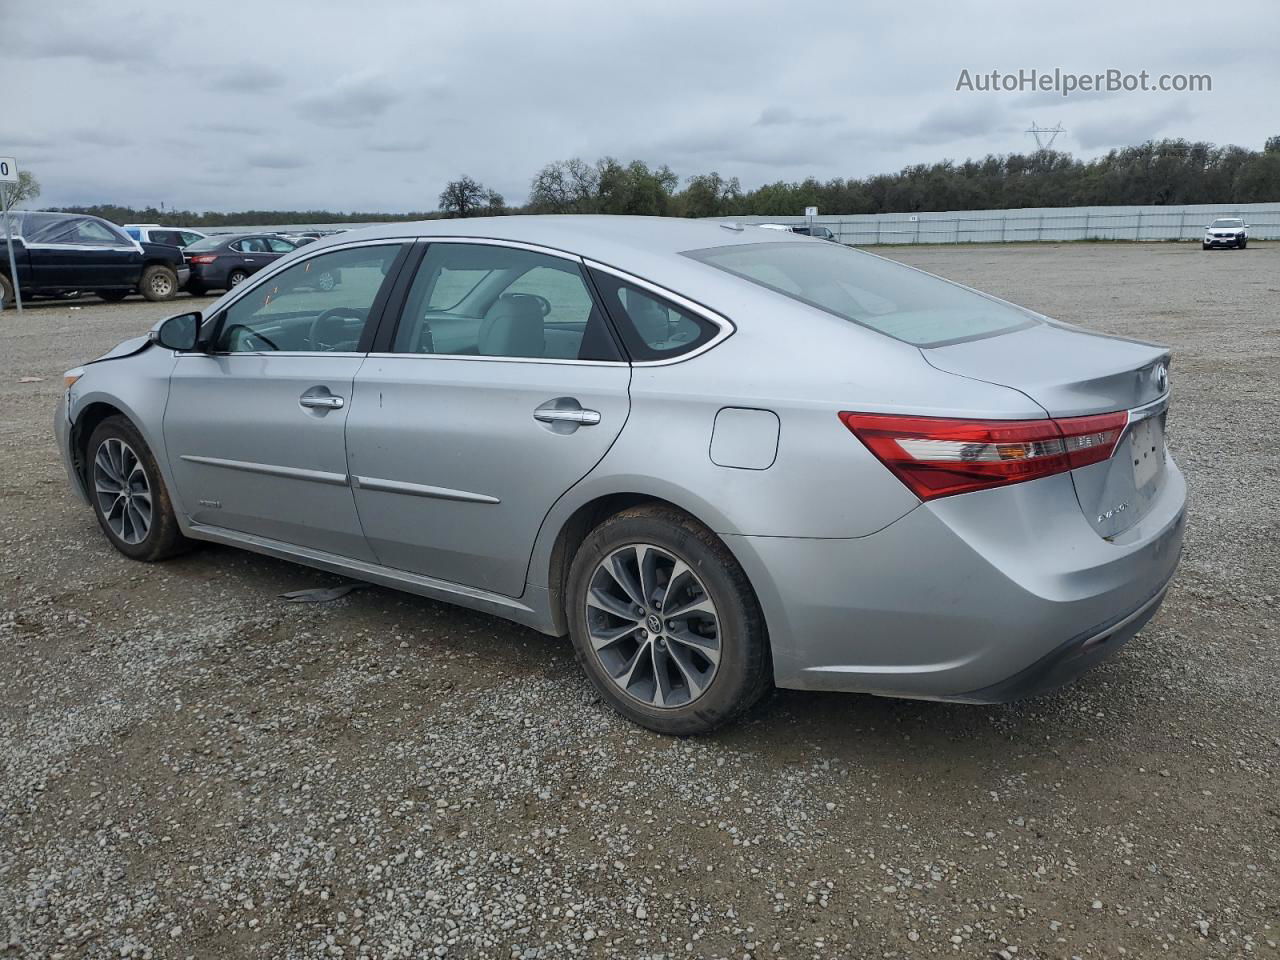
(326, 402)
(585, 418)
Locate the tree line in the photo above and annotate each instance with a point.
(1157, 172)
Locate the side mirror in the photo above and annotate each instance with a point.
(179, 333)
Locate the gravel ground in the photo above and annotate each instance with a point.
(191, 767)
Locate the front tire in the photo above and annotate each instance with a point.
(128, 493)
(158, 283)
(665, 623)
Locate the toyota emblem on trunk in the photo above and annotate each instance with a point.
(1161, 378)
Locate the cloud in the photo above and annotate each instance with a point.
(355, 100)
(949, 123)
(275, 159)
(25, 140)
(98, 138)
(246, 78)
(400, 146)
(785, 117)
(1127, 129)
(232, 127)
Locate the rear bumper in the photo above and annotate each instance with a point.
(983, 597)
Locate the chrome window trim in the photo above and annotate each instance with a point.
(271, 353)
(487, 359)
(516, 244)
(726, 327)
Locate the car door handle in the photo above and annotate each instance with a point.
(585, 418)
(248, 260)
(326, 402)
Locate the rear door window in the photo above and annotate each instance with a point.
(483, 300)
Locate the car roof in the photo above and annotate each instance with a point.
(600, 237)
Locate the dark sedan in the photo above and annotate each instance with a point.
(222, 262)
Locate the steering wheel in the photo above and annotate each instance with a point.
(327, 318)
(249, 332)
(544, 305)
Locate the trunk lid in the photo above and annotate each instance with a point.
(1072, 372)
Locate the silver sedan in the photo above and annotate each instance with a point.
(719, 458)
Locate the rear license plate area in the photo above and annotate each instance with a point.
(1147, 446)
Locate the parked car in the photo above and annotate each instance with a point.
(717, 463)
(59, 253)
(1226, 232)
(224, 261)
(155, 233)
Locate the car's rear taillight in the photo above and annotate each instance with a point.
(937, 457)
(206, 258)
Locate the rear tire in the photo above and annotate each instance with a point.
(158, 283)
(700, 573)
(112, 296)
(128, 494)
(6, 292)
(235, 278)
(1243, 244)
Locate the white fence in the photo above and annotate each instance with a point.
(1055, 224)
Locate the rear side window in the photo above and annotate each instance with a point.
(652, 327)
(887, 297)
(483, 300)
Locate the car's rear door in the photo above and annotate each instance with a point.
(498, 390)
(255, 428)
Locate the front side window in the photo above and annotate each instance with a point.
(652, 327)
(493, 301)
(892, 299)
(321, 304)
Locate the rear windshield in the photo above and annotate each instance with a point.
(205, 243)
(888, 297)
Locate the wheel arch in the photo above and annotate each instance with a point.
(82, 428)
(558, 550)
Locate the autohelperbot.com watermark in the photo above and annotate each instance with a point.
(1066, 83)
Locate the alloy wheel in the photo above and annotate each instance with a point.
(123, 492)
(653, 626)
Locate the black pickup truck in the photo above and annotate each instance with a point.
(60, 253)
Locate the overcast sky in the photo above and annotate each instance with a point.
(374, 105)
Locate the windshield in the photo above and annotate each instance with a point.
(885, 296)
(1228, 223)
(204, 243)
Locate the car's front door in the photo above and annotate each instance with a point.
(255, 427)
(500, 388)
